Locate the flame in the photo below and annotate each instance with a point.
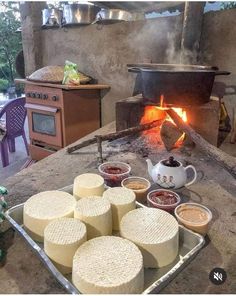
(181, 112)
(152, 113)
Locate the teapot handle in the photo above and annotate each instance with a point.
(195, 174)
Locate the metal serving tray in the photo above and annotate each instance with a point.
(154, 279)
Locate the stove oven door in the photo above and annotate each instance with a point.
(45, 124)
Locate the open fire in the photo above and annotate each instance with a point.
(152, 113)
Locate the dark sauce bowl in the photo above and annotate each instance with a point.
(114, 172)
(163, 199)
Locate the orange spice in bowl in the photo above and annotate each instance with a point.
(194, 216)
(139, 185)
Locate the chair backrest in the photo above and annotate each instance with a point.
(15, 116)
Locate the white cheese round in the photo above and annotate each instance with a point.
(108, 265)
(95, 212)
(44, 207)
(122, 201)
(62, 238)
(155, 232)
(87, 185)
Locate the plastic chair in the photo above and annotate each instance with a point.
(15, 118)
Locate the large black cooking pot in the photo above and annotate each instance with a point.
(183, 85)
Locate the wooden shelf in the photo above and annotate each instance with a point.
(65, 87)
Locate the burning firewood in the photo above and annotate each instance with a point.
(113, 136)
(226, 161)
(170, 134)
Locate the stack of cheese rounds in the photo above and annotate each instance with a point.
(44, 207)
(87, 185)
(108, 265)
(62, 238)
(95, 212)
(155, 232)
(122, 201)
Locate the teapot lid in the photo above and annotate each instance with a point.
(171, 162)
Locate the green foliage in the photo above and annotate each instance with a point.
(3, 85)
(10, 41)
(228, 5)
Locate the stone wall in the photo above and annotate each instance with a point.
(104, 52)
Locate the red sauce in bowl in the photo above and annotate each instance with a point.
(164, 198)
(114, 170)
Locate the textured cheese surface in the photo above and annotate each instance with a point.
(87, 185)
(49, 204)
(62, 238)
(65, 231)
(44, 207)
(120, 195)
(122, 201)
(108, 265)
(96, 213)
(155, 232)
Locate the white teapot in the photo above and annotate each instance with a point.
(170, 173)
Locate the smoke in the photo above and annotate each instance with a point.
(176, 55)
(172, 54)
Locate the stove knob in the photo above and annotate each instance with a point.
(28, 94)
(33, 95)
(38, 95)
(55, 98)
(45, 96)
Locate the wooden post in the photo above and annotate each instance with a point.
(31, 34)
(191, 34)
(99, 143)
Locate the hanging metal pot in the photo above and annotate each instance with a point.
(110, 16)
(79, 14)
(51, 17)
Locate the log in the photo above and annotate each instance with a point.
(116, 135)
(225, 160)
(170, 134)
(233, 132)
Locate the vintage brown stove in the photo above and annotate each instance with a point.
(58, 115)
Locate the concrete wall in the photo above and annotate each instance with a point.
(104, 53)
(218, 47)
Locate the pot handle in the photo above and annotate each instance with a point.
(134, 70)
(222, 73)
(195, 174)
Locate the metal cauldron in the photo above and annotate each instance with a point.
(183, 85)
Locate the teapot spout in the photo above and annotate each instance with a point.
(150, 167)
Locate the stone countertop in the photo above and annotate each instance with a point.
(23, 272)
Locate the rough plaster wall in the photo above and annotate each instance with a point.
(104, 53)
(218, 48)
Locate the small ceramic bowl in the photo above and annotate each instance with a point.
(194, 216)
(114, 172)
(139, 185)
(163, 199)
